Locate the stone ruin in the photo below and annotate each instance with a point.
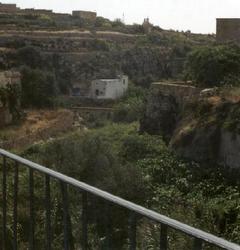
(228, 29)
(8, 8)
(147, 26)
(13, 9)
(87, 15)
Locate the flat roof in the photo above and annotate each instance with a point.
(173, 84)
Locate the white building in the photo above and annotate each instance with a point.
(109, 88)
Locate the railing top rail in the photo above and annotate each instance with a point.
(126, 204)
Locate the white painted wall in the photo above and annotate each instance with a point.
(109, 88)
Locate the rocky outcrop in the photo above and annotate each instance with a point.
(197, 143)
(160, 116)
(201, 129)
(210, 135)
(164, 106)
(229, 151)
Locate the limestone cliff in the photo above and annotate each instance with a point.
(160, 116)
(210, 133)
(205, 130)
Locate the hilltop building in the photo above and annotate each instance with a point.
(38, 11)
(228, 29)
(13, 9)
(87, 15)
(8, 8)
(147, 26)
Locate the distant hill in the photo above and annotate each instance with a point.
(78, 50)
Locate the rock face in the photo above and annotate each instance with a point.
(210, 144)
(229, 152)
(211, 137)
(206, 130)
(160, 116)
(199, 143)
(163, 107)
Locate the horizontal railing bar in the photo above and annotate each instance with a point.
(197, 233)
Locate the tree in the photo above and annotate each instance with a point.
(214, 65)
(38, 88)
(10, 97)
(30, 56)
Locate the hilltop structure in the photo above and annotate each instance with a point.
(147, 26)
(8, 8)
(13, 9)
(228, 29)
(87, 15)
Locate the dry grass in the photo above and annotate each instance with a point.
(231, 94)
(38, 125)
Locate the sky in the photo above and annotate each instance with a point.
(199, 16)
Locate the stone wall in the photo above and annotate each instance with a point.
(12, 8)
(179, 90)
(37, 11)
(63, 41)
(228, 29)
(88, 15)
(8, 7)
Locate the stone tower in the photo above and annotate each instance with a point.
(147, 26)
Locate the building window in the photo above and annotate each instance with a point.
(76, 92)
(97, 92)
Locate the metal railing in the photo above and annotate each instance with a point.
(199, 237)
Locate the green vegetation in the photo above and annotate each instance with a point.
(131, 106)
(9, 97)
(214, 66)
(38, 88)
(112, 154)
(142, 169)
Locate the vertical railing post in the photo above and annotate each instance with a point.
(15, 207)
(163, 237)
(31, 210)
(108, 226)
(197, 244)
(133, 231)
(48, 212)
(4, 204)
(65, 215)
(84, 222)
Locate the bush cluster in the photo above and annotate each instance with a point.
(211, 66)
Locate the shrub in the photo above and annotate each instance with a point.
(131, 107)
(38, 88)
(10, 96)
(214, 65)
(30, 56)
